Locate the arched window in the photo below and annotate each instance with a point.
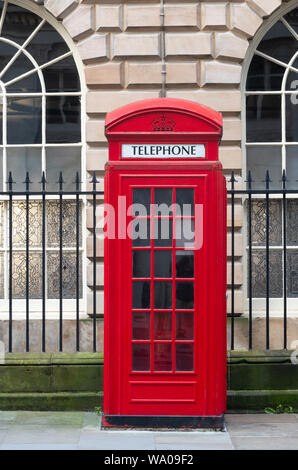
(40, 131)
(272, 144)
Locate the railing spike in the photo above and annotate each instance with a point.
(10, 181)
(27, 181)
(78, 181)
(61, 181)
(43, 181)
(94, 180)
(284, 179)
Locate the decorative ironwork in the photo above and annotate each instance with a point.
(1, 224)
(259, 274)
(68, 275)
(292, 273)
(19, 224)
(292, 222)
(19, 275)
(1, 275)
(259, 223)
(68, 223)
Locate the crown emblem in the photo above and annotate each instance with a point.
(163, 124)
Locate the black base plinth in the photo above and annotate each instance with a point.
(164, 422)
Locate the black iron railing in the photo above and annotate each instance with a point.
(258, 228)
(259, 279)
(76, 196)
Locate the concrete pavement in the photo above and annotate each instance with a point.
(24, 430)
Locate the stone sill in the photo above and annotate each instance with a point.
(259, 357)
(80, 358)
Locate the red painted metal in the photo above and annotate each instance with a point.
(202, 390)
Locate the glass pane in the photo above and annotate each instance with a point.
(141, 197)
(19, 275)
(141, 263)
(67, 160)
(141, 294)
(163, 357)
(258, 226)
(24, 120)
(6, 53)
(185, 200)
(184, 295)
(263, 118)
(279, 43)
(184, 264)
(184, 357)
(19, 224)
(261, 159)
(184, 325)
(141, 325)
(21, 65)
(19, 23)
(47, 45)
(19, 161)
(162, 263)
(292, 19)
(163, 325)
(292, 166)
(162, 294)
(140, 357)
(259, 273)
(264, 75)
(68, 275)
(62, 76)
(30, 84)
(292, 80)
(1, 275)
(292, 222)
(63, 119)
(185, 231)
(163, 199)
(163, 232)
(140, 232)
(68, 223)
(291, 118)
(292, 273)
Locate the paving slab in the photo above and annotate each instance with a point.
(39, 447)
(265, 443)
(37, 418)
(281, 429)
(260, 418)
(7, 417)
(101, 440)
(31, 434)
(70, 431)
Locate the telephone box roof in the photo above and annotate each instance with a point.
(164, 104)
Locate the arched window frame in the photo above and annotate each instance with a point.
(276, 304)
(52, 305)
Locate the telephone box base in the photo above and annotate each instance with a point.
(164, 422)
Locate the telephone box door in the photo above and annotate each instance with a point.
(163, 297)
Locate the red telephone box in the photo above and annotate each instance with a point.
(165, 267)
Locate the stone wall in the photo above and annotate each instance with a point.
(119, 42)
(69, 382)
